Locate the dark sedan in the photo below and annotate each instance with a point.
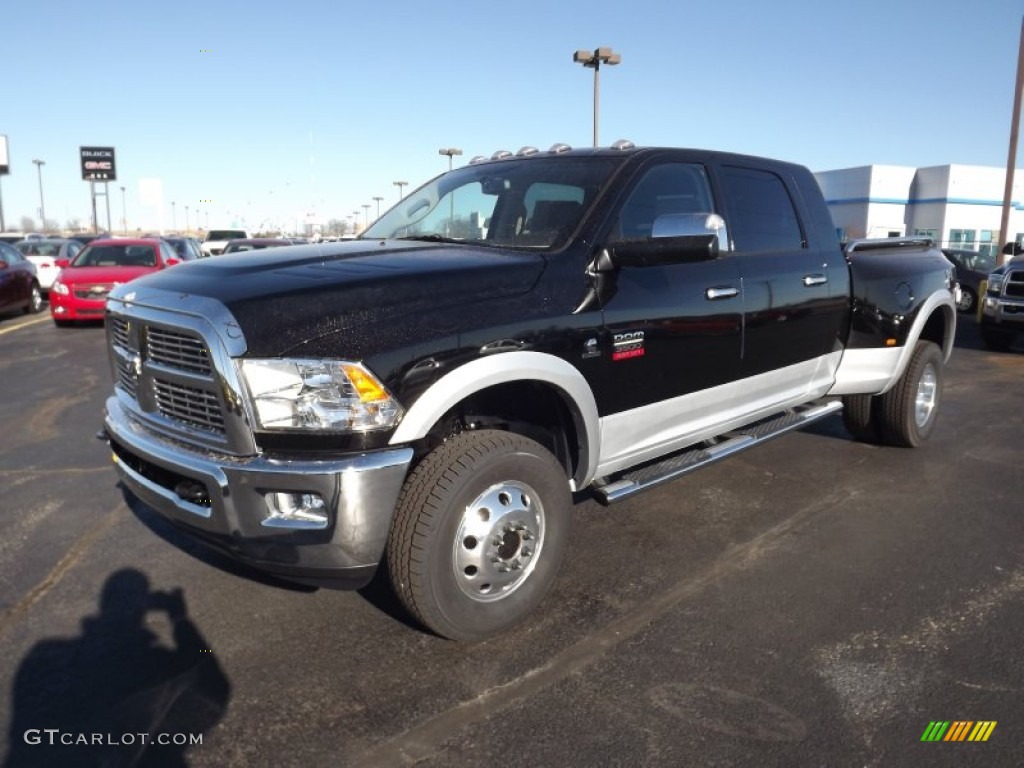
(19, 287)
(971, 268)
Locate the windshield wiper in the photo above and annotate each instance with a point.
(435, 239)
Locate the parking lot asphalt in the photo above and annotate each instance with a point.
(814, 601)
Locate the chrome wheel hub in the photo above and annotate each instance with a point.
(498, 541)
(927, 395)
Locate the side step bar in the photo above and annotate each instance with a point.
(678, 464)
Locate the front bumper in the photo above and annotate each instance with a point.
(231, 512)
(1008, 313)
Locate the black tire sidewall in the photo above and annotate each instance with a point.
(444, 607)
(899, 404)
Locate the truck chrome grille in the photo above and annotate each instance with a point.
(178, 350)
(191, 406)
(170, 374)
(1013, 288)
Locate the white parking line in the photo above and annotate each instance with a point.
(26, 324)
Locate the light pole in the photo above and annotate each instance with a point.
(594, 60)
(400, 184)
(451, 152)
(124, 214)
(174, 217)
(42, 208)
(186, 221)
(366, 215)
(355, 219)
(378, 199)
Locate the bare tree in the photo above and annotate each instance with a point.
(28, 224)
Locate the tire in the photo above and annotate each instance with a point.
(860, 418)
(908, 411)
(968, 300)
(478, 534)
(996, 339)
(35, 300)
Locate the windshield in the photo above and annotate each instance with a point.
(226, 234)
(534, 202)
(116, 256)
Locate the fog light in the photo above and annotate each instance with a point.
(58, 310)
(295, 510)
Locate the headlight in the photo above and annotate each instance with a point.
(995, 283)
(59, 288)
(319, 395)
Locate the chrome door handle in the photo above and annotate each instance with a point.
(723, 292)
(811, 280)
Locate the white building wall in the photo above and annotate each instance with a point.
(960, 205)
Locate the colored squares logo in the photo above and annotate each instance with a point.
(958, 730)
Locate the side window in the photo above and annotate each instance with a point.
(664, 189)
(167, 251)
(8, 254)
(761, 213)
(73, 250)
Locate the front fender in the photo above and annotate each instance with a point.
(480, 374)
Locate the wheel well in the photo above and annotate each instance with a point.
(936, 328)
(533, 409)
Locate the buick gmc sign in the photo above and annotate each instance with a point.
(98, 164)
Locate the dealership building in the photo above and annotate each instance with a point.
(959, 206)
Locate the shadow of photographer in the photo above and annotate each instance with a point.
(118, 695)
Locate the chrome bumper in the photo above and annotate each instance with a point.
(1002, 310)
(231, 511)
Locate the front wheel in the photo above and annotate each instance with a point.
(35, 301)
(908, 411)
(479, 532)
(968, 300)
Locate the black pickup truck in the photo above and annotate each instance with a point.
(522, 329)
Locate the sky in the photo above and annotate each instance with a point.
(268, 114)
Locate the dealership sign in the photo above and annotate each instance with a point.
(98, 164)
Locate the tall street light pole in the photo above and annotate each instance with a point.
(124, 214)
(594, 60)
(174, 217)
(42, 208)
(366, 214)
(186, 221)
(451, 152)
(378, 199)
(400, 184)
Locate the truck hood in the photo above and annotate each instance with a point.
(290, 297)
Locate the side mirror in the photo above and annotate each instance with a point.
(676, 238)
(659, 251)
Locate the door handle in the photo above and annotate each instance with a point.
(721, 292)
(812, 280)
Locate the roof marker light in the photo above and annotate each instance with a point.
(623, 144)
(501, 154)
(527, 151)
(557, 149)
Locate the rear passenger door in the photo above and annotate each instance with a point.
(789, 306)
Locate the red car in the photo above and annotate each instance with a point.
(80, 290)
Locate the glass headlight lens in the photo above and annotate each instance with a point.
(995, 283)
(59, 288)
(333, 395)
